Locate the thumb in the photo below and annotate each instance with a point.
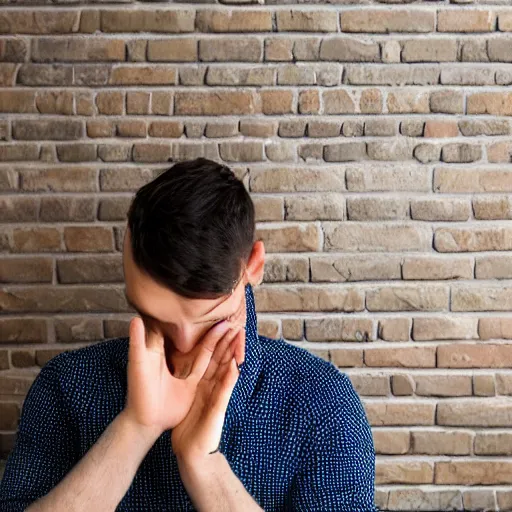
(137, 346)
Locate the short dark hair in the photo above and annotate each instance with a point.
(192, 228)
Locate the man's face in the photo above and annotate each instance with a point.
(182, 321)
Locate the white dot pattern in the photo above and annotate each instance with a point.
(295, 434)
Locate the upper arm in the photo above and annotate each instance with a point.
(338, 472)
(44, 449)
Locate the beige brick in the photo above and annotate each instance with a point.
(474, 355)
(217, 103)
(456, 20)
(309, 102)
(294, 238)
(338, 101)
(293, 328)
(408, 102)
(297, 179)
(404, 473)
(484, 385)
(492, 208)
(339, 329)
(248, 49)
(346, 358)
(394, 329)
(110, 102)
(426, 153)
(114, 152)
(183, 49)
(143, 75)
(453, 442)
(268, 327)
(483, 298)
(51, 102)
(474, 472)
(447, 102)
(436, 268)
(505, 21)
(479, 500)
(444, 328)
(408, 298)
(221, 129)
(136, 50)
(307, 49)
(323, 128)
(441, 209)
(412, 128)
(500, 152)
(345, 152)
(124, 179)
(325, 207)
(371, 101)
(53, 21)
(494, 103)
(191, 150)
(493, 267)
(438, 129)
(18, 209)
(410, 498)
(495, 328)
(36, 240)
(57, 179)
(241, 151)
(292, 128)
(489, 443)
(234, 21)
(351, 268)
(307, 21)
(380, 127)
(131, 128)
(368, 209)
(499, 50)
(356, 237)
(469, 180)
(278, 49)
(310, 298)
(396, 20)
(352, 128)
(382, 413)
(473, 239)
(18, 101)
(75, 329)
(114, 208)
(13, 50)
(254, 75)
(49, 49)
(280, 268)
(142, 20)
(137, 102)
(437, 50)
(391, 442)
(384, 178)
(277, 101)
(474, 50)
(349, 49)
(468, 76)
(391, 51)
(464, 153)
(370, 385)
(99, 128)
(402, 385)
(256, 128)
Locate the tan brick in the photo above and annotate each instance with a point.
(268, 327)
(381, 413)
(254, 75)
(495, 328)
(394, 329)
(391, 442)
(183, 49)
(479, 500)
(23, 358)
(278, 49)
(427, 153)
(484, 385)
(248, 49)
(408, 298)
(17, 101)
(474, 355)
(338, 101)
(310, 298)
(367, 209)
(444, 328)
(437, 50)
(309, 102)
(94, 269)
(473, 239)
(162, 103)
(48, 130)
(151, 152)
(241, 151)
(26, 270)
(408, 102)
(292, 328)
(402, 385)
(404, 473)
(492, 208)
(294, 238)
(325, 207)
(128, 179)
(13, 50)
(385, 178)
(499, 49)
(380, 127)
(494, 267)
(489, 443)
(53, 21)
(483, 298)
(76, 152)
(441, 209)
(277, 101)
(474, 472)
(18, 209)
(345, 152)
(23, 330)
(166, 129)
(143, 75)
(234, 21)
(460, 179)
(137, 102)
(36, 240)
(346, 358)
(323, 128)
(114, 152)
(99, 128)
(465, 153)
(88, 239)
(356, 237)
(468, 76)
(339, 329)
(268, 208)
(218, 103)
(57, 179)
(371, 101)
(380, 21)
(67, 209)
(352, 128)
(307, 21)
(221, 129)
(370, 385)
(349, 49)
(456, 20)
(439, 129)
(8, 75)
(49, 49)
(412, 128)
(409, 498)
(454, 442)
(494, 103)
(113, 208)
(293, 74)
(500, 152)
(139, 20)
(505, 21)
(110, 102)
(447, 102)
(280, 268)
(436, 269)
(89, 22)
(51, 102)
(351, 268)
(192, 150)
(255, 128)
(131, 128)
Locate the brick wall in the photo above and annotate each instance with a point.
(376, 142)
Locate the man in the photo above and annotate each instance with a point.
(194, 411)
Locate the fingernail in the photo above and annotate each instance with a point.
(221, 327)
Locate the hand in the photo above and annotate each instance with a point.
(200, 432)
(156, 400)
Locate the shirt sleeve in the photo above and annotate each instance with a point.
(338, 472)
(44, 447)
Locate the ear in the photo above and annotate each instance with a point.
(255, 265)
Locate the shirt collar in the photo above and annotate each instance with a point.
(249, 371)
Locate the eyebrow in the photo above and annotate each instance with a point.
(141, 313)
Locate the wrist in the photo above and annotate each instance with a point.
(147, 433)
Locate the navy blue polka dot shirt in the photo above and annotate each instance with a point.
(295, 434)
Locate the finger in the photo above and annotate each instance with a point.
(240, 348)
(223, 390)
(222, 355)
(207, 347)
